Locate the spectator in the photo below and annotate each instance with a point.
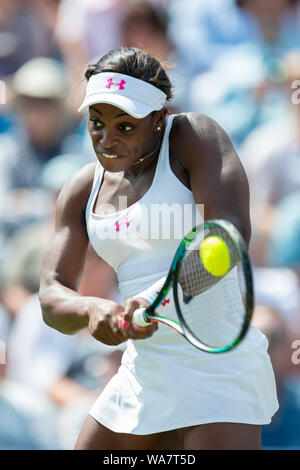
(271, 158)
(85, 31)
(203, 31)
(238, 92)
(145, 26)
(45, 13)
(26, 32)
(277, 173)
(42, 131)
(61, 372)
(278, 287)
(283, 432)
(67, 372)
(4, 332)
(284, 246)
(27, 421)
(80, 23)
(25, 408)
(40, 88)
(17, 36)
(236, 73)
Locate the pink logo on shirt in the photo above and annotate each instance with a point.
(110, 83)
(165, 302)
(118, 226)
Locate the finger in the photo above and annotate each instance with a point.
(125, 329)
(130, 331)
(108, 337)
(115, 324)
(144, 332)
(123, 324)
(130, 307)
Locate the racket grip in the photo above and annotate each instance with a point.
(138, 317)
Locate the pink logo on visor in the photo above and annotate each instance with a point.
(120, 85)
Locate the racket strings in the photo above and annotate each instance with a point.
(215, 311)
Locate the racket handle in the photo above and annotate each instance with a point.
(139, 318)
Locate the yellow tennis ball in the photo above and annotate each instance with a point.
(215, 256)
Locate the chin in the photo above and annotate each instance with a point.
(114, 165)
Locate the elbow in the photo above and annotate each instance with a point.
(244, 228)
(46, 309)
(51, 317)
(47, 316)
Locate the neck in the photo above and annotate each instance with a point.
(149, 155)
(138, 167)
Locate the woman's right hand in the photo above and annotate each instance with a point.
(108, 325)
(105, 323)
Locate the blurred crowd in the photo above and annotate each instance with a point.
(237, 61)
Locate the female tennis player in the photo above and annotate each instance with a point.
(167, 394)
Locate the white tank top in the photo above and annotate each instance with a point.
(139, 242)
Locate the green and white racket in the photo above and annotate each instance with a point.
(210, 280)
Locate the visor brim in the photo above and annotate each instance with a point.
(134, 108)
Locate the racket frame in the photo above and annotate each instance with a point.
(172, 281)
(249, 294)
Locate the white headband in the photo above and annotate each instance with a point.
(134, 96)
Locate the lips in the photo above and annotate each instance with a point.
(108, 155)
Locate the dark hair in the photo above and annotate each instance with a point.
(135, 63)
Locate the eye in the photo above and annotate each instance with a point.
(126, 127)
(96, 124)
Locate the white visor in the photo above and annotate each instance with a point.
(134, 96)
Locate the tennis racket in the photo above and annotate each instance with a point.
(213, 311)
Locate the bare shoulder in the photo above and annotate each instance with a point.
(217, 177)
(203, 145)
(197, 132)
(195, 122)
(74, 195)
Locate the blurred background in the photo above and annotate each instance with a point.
(237, 61)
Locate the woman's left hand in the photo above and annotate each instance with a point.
(136, 332)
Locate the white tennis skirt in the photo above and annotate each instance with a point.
(165, 383)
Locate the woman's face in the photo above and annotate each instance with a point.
(119, 139)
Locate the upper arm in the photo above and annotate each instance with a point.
(217, 177)
(65, 255)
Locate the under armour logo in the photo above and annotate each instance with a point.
(110, 83)
(165, 302)
(118, 226)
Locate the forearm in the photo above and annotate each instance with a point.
(64, 309)
(243, 225)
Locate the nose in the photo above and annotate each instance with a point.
(107, 138)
